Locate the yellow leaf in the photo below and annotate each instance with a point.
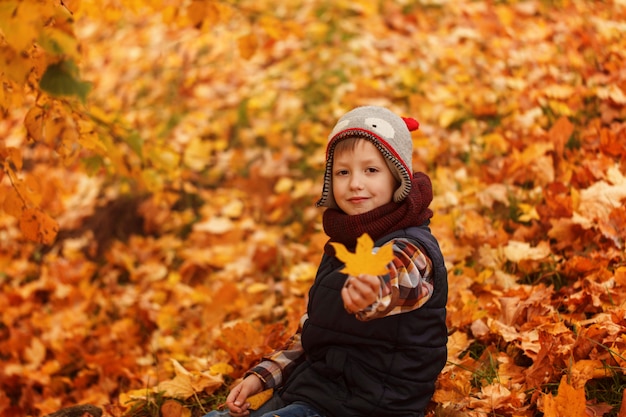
(20, 24)
(221, 368)
(88, 138)
(233, 209)
(139, 394)
(257, 288)
(164, 157)
(58, 42)
(273, 27)
(559, 108)
(364, 260)
(283, 185)
(449, 116)
(529, 212)
(187, 383)
(195, 156)
(8, 100)
(15, 65)
(257, 400)
(495, 142)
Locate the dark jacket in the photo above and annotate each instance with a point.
(383, 367)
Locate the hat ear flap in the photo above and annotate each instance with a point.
(411, 123)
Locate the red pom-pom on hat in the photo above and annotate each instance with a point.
(411, 123)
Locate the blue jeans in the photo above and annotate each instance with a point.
(275, 406)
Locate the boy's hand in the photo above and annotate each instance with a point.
(359, 292)
(236, 400)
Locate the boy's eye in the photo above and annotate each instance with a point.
(341, 172)
(372, 169)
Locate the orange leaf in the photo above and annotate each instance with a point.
(569, 402)
(247, 45)
(622, 408)
(34, 123)
(620, 276)
(173, 408)
(242, 341)
(14, 155)
(364, 260)
(13, 203)
(560, 133)
(38, 226)
(203, 13)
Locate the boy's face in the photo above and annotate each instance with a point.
(362, 181)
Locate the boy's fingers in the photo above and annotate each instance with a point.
(369, 281)
(238, 405)
(359, 292)
(353, 301)
(240, 401)
(348, 304)
(360, 288)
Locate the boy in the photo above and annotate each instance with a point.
(368, 345)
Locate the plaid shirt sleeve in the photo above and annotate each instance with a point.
(276, 367)
(406, 287)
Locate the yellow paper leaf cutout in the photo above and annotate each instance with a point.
(257, 400)
(364, 260)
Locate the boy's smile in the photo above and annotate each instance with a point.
(362, 180)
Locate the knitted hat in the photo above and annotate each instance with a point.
(388, 132)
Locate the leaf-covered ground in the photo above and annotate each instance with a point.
(186, 253)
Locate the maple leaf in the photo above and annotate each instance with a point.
(535, 188)
(569, 401)
(364, 260)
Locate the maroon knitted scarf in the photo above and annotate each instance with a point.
(412, 211)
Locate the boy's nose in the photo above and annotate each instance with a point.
(356, 182)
